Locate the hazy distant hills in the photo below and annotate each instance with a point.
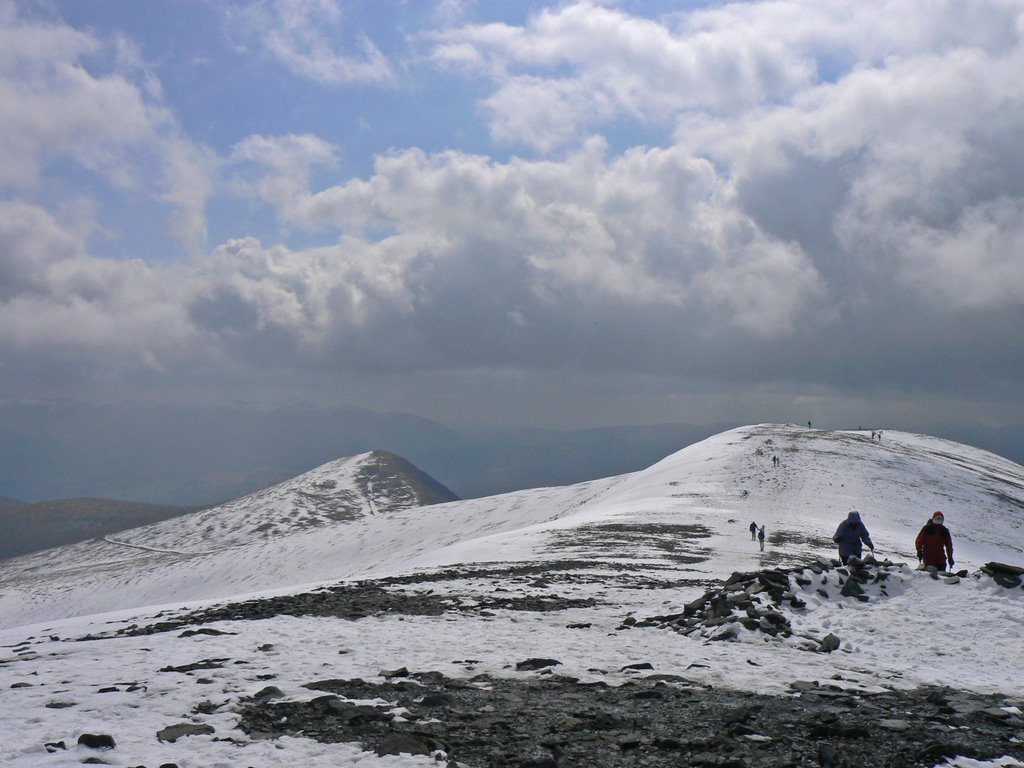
(8, 503)
(45, 524)
(203, 455)
(197, 455)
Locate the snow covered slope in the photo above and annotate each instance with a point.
(344, 520)
(336, 588)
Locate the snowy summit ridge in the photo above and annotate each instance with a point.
(336, 591)
(363, 516)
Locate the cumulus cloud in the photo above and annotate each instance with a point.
(106, 117)
(651, 228)
(306, 36)
(283, 164)
(828, 172)
(56, 298)
(51, 107)
(724, 60)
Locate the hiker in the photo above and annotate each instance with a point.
(775, 461)
(849, 535)
(753, 531)
(760, 537)
(934, 544)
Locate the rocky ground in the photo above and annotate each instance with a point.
(555, 721)
(551, 720)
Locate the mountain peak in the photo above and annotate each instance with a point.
(363, 517)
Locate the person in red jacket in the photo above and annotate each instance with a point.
(934, 544)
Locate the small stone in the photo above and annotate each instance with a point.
(96, 741)
(829, 643)
(533, 664)
(436, 700)
(270, 692)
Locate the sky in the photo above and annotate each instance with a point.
(563, 214)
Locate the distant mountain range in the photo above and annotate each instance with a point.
(188, 456)
(185, 456)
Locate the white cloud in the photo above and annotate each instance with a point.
(51, 107)
(976, 263)
(290, 160)
(817, 165)
(306, 37)
(723, 60)
(59, 301)
(654, 226)
(106, 118)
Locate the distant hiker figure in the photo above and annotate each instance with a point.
(934, 544)
(879, 435)
(808, 425)
(775, 461)
(849, 535)
(873, 435)
(760, 537)
(753, 531)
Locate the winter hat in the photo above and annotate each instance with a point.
(938, 518)
(854, 517)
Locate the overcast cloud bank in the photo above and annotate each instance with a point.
(785, 206)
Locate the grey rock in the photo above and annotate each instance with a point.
(534, 664)
(96, 741)
(403, 744)
(174, 732)
(829, 643)
(270, 692)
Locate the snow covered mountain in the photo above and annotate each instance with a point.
(267, 539)
(338, 582)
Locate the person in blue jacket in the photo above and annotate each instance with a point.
(849, 535)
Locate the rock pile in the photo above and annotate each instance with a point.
(1009, 576)
(764, 601)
